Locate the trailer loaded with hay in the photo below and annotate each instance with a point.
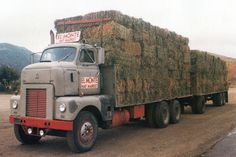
(122, 69)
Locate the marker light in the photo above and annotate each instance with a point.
(30, 130)
(41, 132)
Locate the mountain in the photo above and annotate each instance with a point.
(14, 56)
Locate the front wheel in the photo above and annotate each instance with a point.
(24, 138)
(84, 133)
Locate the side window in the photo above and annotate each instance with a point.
(86, 56)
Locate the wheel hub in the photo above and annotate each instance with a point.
(86, 132)
(165, 115)
(177, 110)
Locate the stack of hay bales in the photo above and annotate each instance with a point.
(151, 63)
(208, 73)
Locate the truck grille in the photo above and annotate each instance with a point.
(36, 103)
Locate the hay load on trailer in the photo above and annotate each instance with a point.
(208, 76)
(208, 73)
(150, 63)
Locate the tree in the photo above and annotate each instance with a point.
(9, 78)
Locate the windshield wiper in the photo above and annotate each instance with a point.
(64, 58)
(90, 57)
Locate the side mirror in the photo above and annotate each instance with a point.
(35, 57)
(16, 92)
(101, 56)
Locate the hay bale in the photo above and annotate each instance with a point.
(150, 63)
(208, 73)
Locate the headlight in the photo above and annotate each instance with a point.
(15, 104)
(62, 107)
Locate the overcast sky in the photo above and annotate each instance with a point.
(209, 24)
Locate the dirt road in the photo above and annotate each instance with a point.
(192, 136)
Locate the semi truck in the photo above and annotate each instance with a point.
(130, 70)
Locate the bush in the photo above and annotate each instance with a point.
(9, 79)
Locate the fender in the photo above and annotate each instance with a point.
(74, 104)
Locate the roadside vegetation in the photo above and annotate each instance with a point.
(9, 79)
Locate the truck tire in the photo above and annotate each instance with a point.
(198, 105)
(24, 138)
(84, 133)
(182, 108)
(219, 99)
(150, 115)
(162, 114)
(175, 111)
(223, 98)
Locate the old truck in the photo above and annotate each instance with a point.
(142, 72)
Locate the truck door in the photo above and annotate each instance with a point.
(88, 72)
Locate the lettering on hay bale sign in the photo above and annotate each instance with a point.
(68, 37)
(89, 82)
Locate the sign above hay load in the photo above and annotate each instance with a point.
(67, 37)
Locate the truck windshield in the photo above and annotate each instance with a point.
(66, 54)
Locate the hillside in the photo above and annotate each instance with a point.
(14, 56)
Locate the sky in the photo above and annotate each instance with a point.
(210, 25)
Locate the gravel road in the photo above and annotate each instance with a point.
(192, 136)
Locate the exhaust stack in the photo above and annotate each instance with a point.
(52, 37)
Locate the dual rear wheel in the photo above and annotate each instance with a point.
(198, 105)
(161, 114)
(219, 99)
(199, 102)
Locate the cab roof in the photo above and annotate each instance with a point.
(77, 45)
